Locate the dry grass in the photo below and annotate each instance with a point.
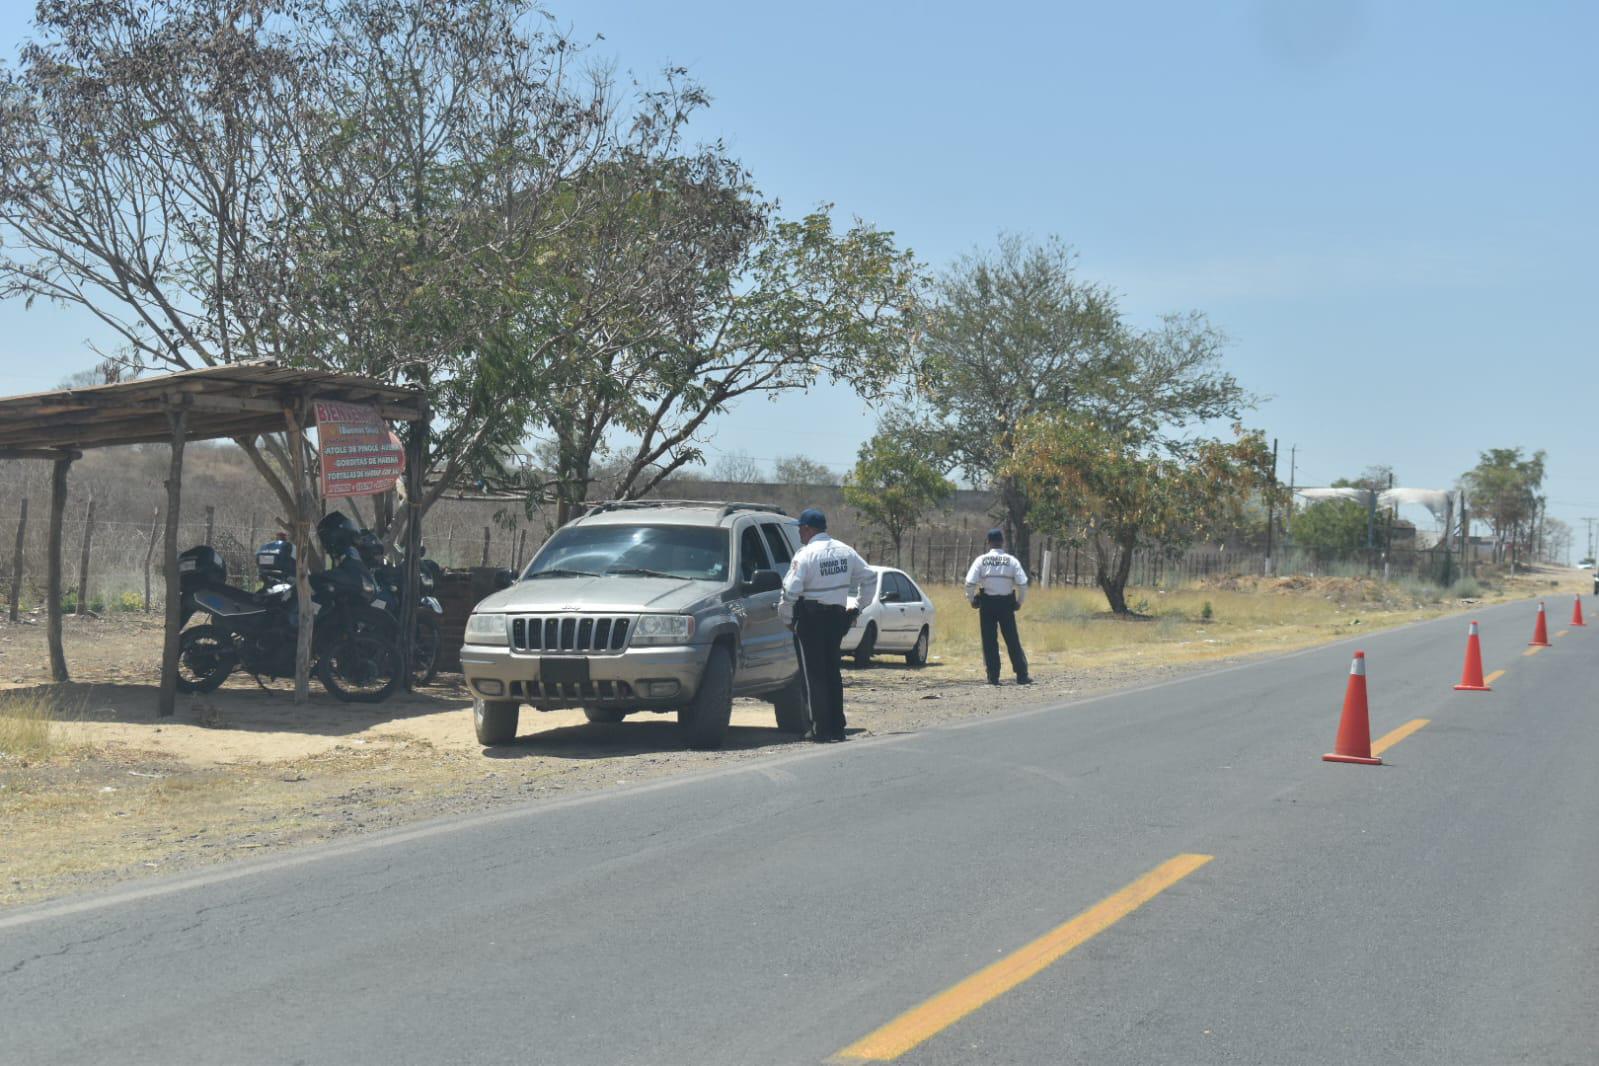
(1246, 616)
(27, 728)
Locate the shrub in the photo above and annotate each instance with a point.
(1467, 588)
(69, 603)
(1206, 613)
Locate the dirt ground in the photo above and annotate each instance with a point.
(119, 793)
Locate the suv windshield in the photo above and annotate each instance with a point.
(693, 553)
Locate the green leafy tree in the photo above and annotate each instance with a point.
(893, 485)
(782, 305)
(1503, 489)
(1118, 489)
(1331, 528)
(1016, 333)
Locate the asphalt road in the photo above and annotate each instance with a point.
(1440, 909)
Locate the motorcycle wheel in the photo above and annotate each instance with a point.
(206, 657)
(362, 665)
(425, 646)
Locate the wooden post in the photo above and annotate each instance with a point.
(295, 420)
(521, 550)
(149, 554)
(485, 545)
(16, 564)
(416, 457)
(167, 703)
(210, 523)
(58, 511)
(251, 544)
(83, 560)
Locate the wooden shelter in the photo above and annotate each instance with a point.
(234, 402)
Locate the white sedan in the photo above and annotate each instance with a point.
(896, 617)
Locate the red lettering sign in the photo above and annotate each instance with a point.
(361, 456)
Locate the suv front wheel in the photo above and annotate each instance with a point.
(495, 720)
(703, 722)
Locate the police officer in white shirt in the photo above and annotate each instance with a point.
(814, 596)
(996, 584)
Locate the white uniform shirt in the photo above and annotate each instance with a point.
(997, 573)
(823, 571)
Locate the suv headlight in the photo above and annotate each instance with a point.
(486, 629)
(664, 629)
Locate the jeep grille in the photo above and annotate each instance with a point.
(569, 633)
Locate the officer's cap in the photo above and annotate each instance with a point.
(996, 536)
(813, 518)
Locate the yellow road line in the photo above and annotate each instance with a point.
(1495, 676)
(950, 1006)
(1562, 633)
(1388, 740)
(1535, 649)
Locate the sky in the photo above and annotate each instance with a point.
(1388, 207)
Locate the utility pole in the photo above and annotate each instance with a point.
(1271, 500)
(1590, 521)
(1393, 515)
(1288, 525)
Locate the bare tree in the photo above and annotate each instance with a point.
(802, 470)
(350, 184)
(736, 468)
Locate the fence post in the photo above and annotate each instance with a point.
(16, 564)
(83, 560)
(449, 548)
(149, 553)
(485, 545)
(210, 523)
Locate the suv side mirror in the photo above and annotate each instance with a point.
(762, 581)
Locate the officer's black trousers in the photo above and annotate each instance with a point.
(997, 614)
(820, 630)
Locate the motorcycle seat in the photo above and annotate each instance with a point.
(229, 602)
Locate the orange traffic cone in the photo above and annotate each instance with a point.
(1540, 632)
(1354, 728)
(1576, 611)
(1471, 673)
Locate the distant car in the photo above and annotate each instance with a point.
(896, 617)
(1584, 566)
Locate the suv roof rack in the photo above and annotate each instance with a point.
(727, 508)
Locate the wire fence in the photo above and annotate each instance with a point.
(125, 566)
(935, 560)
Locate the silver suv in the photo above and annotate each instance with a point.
(644, 605)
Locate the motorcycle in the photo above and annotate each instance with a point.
(428, 635)
(354, 644)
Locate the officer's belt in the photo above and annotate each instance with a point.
(805, 606)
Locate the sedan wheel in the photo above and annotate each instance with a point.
(917, 656)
